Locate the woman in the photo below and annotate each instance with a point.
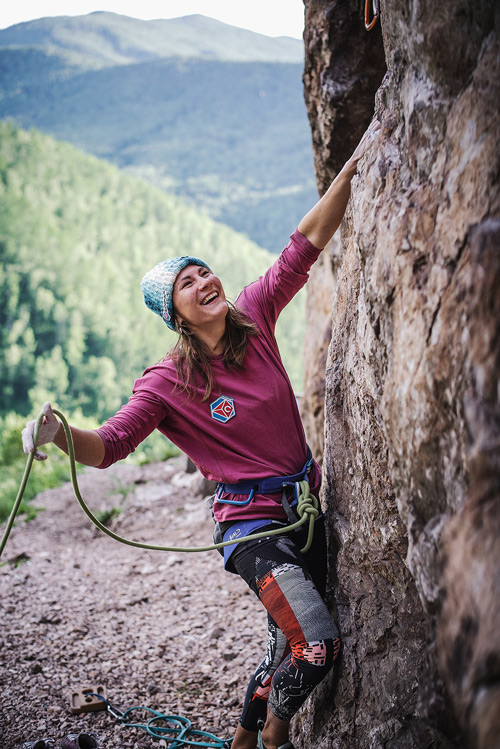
(223, 396)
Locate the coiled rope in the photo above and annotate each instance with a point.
(307, 508)
(175, 730)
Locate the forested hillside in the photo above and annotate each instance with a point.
(76, 237)
(210, 112)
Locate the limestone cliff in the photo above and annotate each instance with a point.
(411, 403)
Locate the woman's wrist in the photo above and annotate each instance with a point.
(60, 438)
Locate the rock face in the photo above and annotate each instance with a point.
(412, 413)
(339, 90)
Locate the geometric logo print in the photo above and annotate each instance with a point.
(222, 409)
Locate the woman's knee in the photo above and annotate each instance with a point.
(316, 657)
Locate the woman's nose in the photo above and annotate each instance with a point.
(204, 281)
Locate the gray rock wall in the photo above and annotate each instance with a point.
(412, 414)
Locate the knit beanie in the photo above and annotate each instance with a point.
(158, 286)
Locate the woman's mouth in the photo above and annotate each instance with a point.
(210, 297)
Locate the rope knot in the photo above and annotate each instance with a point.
(308, 504)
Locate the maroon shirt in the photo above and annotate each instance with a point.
(250, 427)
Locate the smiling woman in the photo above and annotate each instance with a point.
(200, 303)
(224, 398)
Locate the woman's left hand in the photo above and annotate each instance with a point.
(325, 217)
(369, 137)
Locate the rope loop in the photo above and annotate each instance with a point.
(175, 730)
(308, 505)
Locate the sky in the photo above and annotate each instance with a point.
(270, 17)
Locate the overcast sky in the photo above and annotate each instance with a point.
(271, 17)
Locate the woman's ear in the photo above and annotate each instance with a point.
(180, 325)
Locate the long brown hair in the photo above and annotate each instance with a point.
(191, 356)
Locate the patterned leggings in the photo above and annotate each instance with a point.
(303, 639)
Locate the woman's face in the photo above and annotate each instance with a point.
(198, 297)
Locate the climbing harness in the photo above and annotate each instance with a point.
(376, 12)
(269, 485)
(307, 506)
(175, 730)
(297, 482)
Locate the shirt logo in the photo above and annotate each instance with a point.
(222, 409)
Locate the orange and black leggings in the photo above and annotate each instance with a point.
(303, 639)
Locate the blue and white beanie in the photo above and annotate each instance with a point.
(158, 285)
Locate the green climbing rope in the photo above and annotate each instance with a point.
(307, 508)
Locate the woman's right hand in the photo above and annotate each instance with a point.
(49, 427)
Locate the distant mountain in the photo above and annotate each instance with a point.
(166, 101)
(103, 38)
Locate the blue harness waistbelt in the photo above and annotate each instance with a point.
(268, 485)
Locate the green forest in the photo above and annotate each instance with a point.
(76, 237)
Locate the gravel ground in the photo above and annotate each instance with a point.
(169, 631)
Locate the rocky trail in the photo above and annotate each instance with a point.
(170, 631)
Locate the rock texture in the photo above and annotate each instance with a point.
(412, 415)
(339, 90)
(320, 289)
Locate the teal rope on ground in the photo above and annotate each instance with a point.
(175, 730)
(307, 508)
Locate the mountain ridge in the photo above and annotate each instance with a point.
(102, 38)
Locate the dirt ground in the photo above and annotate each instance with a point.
(173, 632)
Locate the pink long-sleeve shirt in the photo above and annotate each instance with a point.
(264, 435)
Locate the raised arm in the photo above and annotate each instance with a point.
(89, 447)
(323, 220)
